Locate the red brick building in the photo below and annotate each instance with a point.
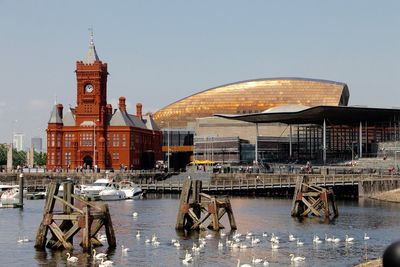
(95, 134)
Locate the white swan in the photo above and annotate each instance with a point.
(316, 240)
(135, 214)
(177, 244)
(188, 257)
(274, 246)
(291, 238)
(195, 248)
(138, 234)
(274, 239)
(243, 265)
(98, 256)
(220, 244)
(242, 246)
(105, 263)
(255, 260)
(299, 243)
(71, 259)
(154, 238)
(255, 240)
(335, 240)
(366, 237)
(296, 259)
(266, 263)
(222, 234)
(264, 234)
(124, 249)
(328, 239)
(349, 239)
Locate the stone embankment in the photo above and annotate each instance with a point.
(390, 196)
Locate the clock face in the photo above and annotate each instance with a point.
(88, 88)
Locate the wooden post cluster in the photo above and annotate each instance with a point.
(194, 212)
(313, 199)
(65, 224)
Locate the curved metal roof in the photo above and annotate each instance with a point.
(316, 115)
(252, 96)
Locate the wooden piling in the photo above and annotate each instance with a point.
(190, 214)
(21, 190)
(312, 199)
(73, 219)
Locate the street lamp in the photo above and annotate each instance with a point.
(94, 144)
(167, 144)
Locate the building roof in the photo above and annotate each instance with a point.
(55, 116)
(69, 117)
(137, 122)
(316, 115)
(252, 96)
(150, 123)
(122, 118)
(91, 55)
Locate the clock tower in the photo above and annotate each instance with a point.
(91, 100)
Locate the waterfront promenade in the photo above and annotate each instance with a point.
(361, 184)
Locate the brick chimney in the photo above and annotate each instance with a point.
(121, 104)
(109, 109)
(139, 110)
(60, 108)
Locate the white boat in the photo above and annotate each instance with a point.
(93, 190)
(112, 192)
(6, 187)
(11, 195)
(131, 190)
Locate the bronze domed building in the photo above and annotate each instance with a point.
(252, 96)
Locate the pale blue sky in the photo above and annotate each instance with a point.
(161, 51)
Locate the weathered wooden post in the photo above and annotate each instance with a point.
(41, 235)
(21, 190)
(183, 204)
(86, 237)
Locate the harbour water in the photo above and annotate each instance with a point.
(157, 213)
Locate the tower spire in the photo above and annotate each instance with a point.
(91, 55)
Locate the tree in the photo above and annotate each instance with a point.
(19, 158)
(3, 154)
(39, 158)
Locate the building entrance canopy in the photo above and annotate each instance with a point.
(317, 115)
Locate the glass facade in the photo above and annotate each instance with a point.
(177, 137)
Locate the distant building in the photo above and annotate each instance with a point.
(18, 141)
(37, 142)
(93, 133)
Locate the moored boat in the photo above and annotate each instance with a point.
(112, 192)
(11, 195)
(131, 190)
(93, 190)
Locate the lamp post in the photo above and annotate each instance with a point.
(167, 144)
(168, 147)
(94, 144)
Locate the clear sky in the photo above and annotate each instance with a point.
(160, 51)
